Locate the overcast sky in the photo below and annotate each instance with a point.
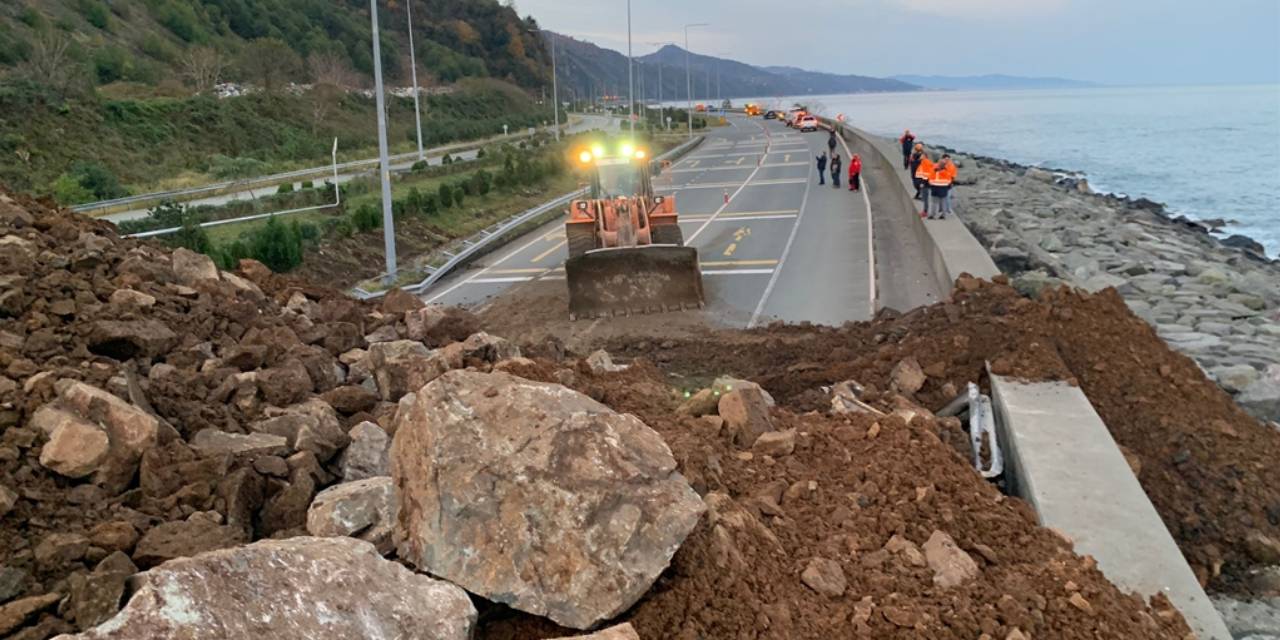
(1109, 41)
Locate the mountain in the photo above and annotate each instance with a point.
(586, 70)
(153, 42)
(992, 82)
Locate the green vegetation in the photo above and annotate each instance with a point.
(127, 85)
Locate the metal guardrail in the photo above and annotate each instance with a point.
(277, 178)
(481, 240)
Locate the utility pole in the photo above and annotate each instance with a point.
(384, 166)
(413, 63)
(688, 74)
(631, 82)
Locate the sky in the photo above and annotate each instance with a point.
(1123, 42)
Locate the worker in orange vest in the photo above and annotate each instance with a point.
(924, 171)
(944, 176)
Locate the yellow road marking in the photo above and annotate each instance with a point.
(741, 233)
(731, 248)
(786, 157)
(758, 213)
(517, 271)
(694, 163)
(739, 162)
(540, 256)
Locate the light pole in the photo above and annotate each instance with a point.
(631, 82)
(688, 75)
(384, 166)
(413, 64)
(661, 106)
(555, 84)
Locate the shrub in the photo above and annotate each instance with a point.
(67, 190)
(429, 205)
(193, 237)
(277, 245)
(342, 227)
(480, 153)
(459, 195)
(95, 12)
(285, 188)
(420, 165)
(366, 218)
(229, 256)
(445, 194)
(307, 231)
(447, 159)
(308, 184)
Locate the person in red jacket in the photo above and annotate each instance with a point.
(908, 140)
(855, 173)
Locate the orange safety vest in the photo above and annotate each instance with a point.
(943, 175)
(925, 170)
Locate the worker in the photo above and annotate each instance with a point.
(917, 154)
(924, 171)
(822, 168)
(855, 173)
(908, 140)
(944, 175)
(835, 170)
(831, 142)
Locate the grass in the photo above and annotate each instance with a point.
(225, 233)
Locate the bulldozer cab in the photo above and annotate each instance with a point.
(621, 178)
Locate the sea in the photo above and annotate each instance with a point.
(1207, 152)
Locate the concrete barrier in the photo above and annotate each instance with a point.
(951, 248)
(1060, 457)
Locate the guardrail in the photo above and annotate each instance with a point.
(105, 207)
(479, 243)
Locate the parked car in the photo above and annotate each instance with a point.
(771, 115)
(808, 123)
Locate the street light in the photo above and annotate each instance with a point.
(413, 63)
(555, 84)
(631, 82)
(661, 106)
(688, 76)
(384, 166)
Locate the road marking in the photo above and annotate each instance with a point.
(871, 240)
(726, 185)
(733, 246)
(735, 219)
(787, 158)
(738, 272)
(758, 213)
(553, 249)
(741, 233)
(738, 263)
(739, 162)
(715, 215)
(519, 270)
(484, 270)
(786, 250)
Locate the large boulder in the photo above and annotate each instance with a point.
(193, 268)
(127, 339)
(300, 588)
(536, 496)
(746, 415)
(366, 456)
(362, 509)
(404, 366)
(308, 426)
(72, 418)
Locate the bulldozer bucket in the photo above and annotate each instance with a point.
(626, 280)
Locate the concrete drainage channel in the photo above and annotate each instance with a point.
(1045, 443)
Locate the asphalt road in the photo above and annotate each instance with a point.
(781, 248)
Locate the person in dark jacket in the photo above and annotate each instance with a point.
(908, 140)
(831, 142)
(835, 170)
(917, 154)
(822, 169)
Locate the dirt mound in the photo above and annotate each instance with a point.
(861, 498)
(1207, 465)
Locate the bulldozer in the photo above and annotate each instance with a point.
(626, 250)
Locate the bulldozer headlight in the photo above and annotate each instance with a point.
(597, 151)
(585, 157)
(627, 149)
(640, 154)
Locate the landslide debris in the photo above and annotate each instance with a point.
(242, 412)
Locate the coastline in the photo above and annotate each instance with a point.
(1216, 300)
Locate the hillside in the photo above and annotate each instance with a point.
(588, 70)
(158, 42)
(992, 82)
(95, 94)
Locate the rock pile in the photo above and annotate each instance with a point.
(1217, 301)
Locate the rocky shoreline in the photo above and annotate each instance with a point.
(1215, 300)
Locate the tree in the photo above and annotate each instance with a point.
(269, 63)
(277, 245)
(202, 67)
(325, 99)
(51, 62)
(332, 68)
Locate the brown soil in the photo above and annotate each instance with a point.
(871, 480)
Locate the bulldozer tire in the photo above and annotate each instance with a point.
(580, 240)
(668, 234)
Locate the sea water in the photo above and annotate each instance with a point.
(1207, 151)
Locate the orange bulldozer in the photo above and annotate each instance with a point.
(626, 250)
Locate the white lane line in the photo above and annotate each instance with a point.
(727, 185)
(544, 254)
(484, 270)
(871, 240)
(708, 272)
(737, 219)
(714, 216)
(737, 272)
(740, 168)
(786, 250)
